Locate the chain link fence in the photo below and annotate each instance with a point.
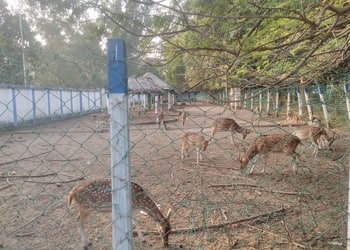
(215, 205)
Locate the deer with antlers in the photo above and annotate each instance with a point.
(96, 196)
(271, 143)
(196, 140)
(227, 124)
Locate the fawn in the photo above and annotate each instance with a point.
(265, 144)
(196, 140)
(95, 195)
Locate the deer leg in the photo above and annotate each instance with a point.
(315, 152)
(295, 162)
(212, 133)
(164, 125)
(138, 230)
(199, 151)
(232, 141)
(265, 162)
(199, 155)
(83, 236)
(182, 152)
(253, 166)
(184, 148)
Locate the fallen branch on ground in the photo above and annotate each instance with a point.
(25, 158)
(221, 225)
(5, 187)
(27, 176)
(57, 182)
(260, 188)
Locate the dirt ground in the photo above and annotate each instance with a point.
(215, 206)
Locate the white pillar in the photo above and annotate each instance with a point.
(346, 90)
(169, 101)
(288, 102)
(277, 102)
(119, 140)
(300, 102)
(268, 102)
(308, 103)
(156, 103)
(324, 106)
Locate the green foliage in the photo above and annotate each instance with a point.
(12, 51)
(198, 44)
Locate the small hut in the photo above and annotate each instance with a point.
(149, 91)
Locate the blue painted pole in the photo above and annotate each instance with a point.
(71, 101)
(61, 102)
(34, 106)
(14, 107)
(89, 100)
(81, 102)
(120, 166)
(48, 104)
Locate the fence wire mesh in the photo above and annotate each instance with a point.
(215, 205)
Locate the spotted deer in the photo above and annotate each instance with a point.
(227, 124)
(101, 119)
(317, 135)
(196, 140)
(160, 119)
(95, 195)
(183, 118)
(271, 143)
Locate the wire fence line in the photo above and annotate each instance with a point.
(214, 204)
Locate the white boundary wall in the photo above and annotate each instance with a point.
(25, 105)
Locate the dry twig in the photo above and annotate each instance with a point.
(25, 158)
(57, 182)
(5, 187)
(260, 188)
(28, 176)
(221, 225)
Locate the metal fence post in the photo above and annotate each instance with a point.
(14, 107)
(118, 103)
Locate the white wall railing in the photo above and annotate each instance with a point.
(25, 105)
